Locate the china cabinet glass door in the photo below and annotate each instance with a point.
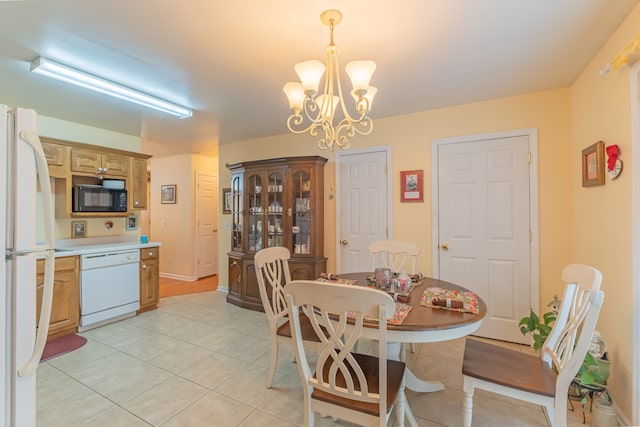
(236, 212)
(275, 208)
(302, 224)
(255, 196)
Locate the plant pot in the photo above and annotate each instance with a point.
(600, 371)
(603, 414)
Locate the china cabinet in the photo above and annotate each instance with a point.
(275, 202)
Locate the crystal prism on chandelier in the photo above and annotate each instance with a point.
(315, 113)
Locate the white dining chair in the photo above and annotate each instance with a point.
(398, 256)
(341, 383)
(543, 379)
(272, 272)
(394, 254)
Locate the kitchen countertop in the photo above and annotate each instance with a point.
(73, 247)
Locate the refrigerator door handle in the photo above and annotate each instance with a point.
(33, 140)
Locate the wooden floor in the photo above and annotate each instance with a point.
(173, 287)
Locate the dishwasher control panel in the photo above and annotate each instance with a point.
(106, 259)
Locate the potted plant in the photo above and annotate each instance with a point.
(594, 370)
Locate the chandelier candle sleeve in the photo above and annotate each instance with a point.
(315, 111)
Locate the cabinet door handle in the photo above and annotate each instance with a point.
(150, 253)
(144, 265)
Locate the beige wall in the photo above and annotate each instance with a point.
(174, 225)
(602, 222)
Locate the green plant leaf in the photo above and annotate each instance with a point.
(549, 318)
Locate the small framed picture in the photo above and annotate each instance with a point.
(78, 229)
(593, 165)
(411, 186)
(132, 222)
(168, 194)
(227, 200)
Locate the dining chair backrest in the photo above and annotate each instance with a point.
(394, 254)
(543, 379)
(341, 383)
(569, 339)
(272, 272)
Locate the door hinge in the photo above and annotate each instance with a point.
(386, 169)
(530, 235)
(529, 160)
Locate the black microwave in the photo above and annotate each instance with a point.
(95, 198)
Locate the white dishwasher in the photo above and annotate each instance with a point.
(109, 287)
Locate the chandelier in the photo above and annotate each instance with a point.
(316, 113)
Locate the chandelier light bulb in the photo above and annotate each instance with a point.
(310, 73)
(360, 73)
(295, 95)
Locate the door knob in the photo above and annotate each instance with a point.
(215, 230)
(444, 247)
(344, 242)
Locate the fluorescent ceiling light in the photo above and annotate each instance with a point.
(53, 69)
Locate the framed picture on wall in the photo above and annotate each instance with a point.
(78, 229)
(168, 194)
(227, 200)
(593, 165)
(411, 186)
(132, 222)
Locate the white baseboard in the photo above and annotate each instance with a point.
(179, 277)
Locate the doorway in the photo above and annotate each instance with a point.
(207, 224)
(363, 205)
(485, 204)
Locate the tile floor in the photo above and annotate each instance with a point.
(199, 361)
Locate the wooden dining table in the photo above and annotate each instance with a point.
(424, 325)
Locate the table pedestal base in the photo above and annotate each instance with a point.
(395, 350)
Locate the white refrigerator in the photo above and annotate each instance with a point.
(24, 178)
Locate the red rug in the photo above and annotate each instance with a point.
(62, 345)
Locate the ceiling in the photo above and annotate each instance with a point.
(228, 60)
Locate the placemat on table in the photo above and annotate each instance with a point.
(342, 281)
(402, 311)
(468, 299)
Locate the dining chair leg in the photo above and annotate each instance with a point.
(467, 402)
(272, 363)
(401, 405)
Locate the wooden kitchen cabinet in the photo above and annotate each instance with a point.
(57, 158)
(92, 161)
(276, 202)
(65, 311)
(74, 163)
(149, 278)
(138, 183)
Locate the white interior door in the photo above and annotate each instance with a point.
(484, 229)
(207, 225)
(364, 206)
